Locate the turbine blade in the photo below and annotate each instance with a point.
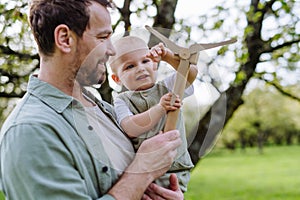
(200, 47)
(171, 45)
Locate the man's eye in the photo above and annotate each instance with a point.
(104, 37)
(129, 67)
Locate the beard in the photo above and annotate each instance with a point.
(92, 69)
(88, 77)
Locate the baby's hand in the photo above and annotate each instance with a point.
(158, 52)
(165, 102)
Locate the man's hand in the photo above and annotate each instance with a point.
(152, 160)
(156, 154)
(155, 192)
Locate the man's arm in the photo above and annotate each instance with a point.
(39, 166)
(152, 160)
(49, 167)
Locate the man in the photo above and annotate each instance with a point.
(50, 147)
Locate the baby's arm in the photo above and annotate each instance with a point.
(160, 52)
(135, 125)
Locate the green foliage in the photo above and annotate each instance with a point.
(218, 24)
(222, 50)
(240, 76)
(257, 16)
(18, 53)
(277, 117)
(285, 6)
(227, 20)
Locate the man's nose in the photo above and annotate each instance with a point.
(111, 48)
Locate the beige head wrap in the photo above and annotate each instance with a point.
(126, 45)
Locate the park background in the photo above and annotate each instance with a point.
(243, 121)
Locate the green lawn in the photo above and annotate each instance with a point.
(273, 175)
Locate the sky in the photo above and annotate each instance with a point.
(185, 8)
(191, 8)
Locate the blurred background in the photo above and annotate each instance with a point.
(242, 122)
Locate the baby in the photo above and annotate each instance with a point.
(141, 111)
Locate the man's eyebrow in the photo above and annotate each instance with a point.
(107, 31)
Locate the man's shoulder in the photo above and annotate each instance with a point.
(106, 105)
(29, 110)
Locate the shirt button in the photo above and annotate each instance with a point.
(104, 169)
(90, 127)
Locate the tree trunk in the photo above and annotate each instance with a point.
(164, 19)
(206, 134)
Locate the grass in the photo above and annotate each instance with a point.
(225, 175)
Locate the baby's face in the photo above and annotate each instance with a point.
(136, 71)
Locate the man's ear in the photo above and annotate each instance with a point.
(63, 38)
(116, 79)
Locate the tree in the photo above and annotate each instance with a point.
(267, 31)
(266, 118)
(260, 45)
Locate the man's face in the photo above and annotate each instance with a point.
(102, 78)
(95, 47)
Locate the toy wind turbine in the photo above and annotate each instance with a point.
(187, 56)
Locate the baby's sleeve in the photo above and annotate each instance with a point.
(121, 109)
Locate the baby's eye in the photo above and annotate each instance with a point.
(146, 61)
(129, 67)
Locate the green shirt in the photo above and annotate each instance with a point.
(50, 151)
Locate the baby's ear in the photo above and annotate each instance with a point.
(116, 79)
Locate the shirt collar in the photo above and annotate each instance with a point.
(49, 94)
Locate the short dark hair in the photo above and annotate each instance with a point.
(46, 15)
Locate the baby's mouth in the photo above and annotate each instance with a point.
(142, 77)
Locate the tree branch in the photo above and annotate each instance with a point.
(13, 9)
(272, 49)
(8, 51)
(268, 5)
(156, 3)
(280, 89)
(125, 13)
(12, 95)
